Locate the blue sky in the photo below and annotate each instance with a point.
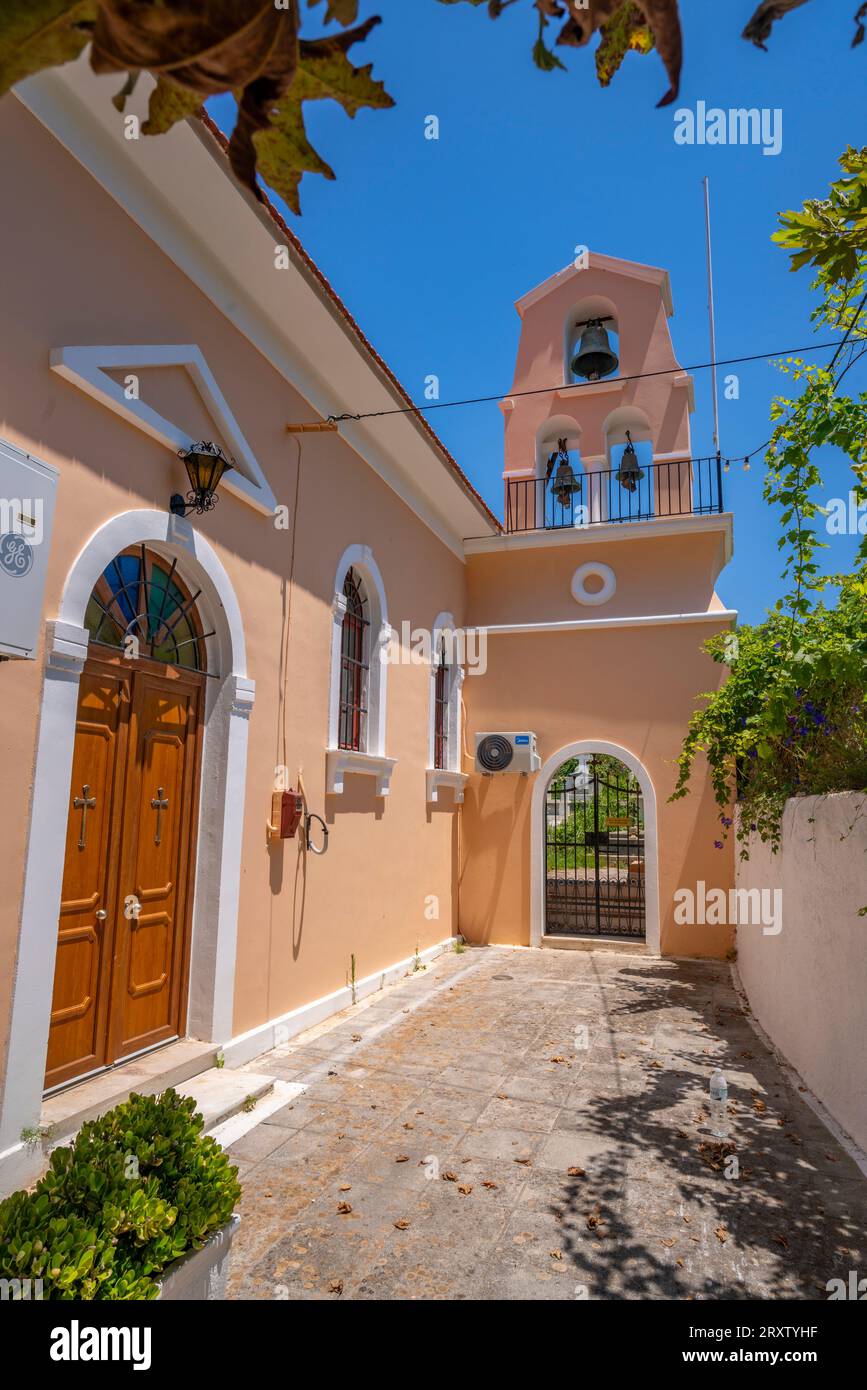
(430, 242)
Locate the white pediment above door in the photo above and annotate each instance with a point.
(97, 371)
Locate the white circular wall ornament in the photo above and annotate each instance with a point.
(593, 570)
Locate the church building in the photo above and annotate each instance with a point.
(238, 793)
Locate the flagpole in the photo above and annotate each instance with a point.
(716, 443)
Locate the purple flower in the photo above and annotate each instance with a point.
(717, 844)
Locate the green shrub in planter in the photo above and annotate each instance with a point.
(137, 1188)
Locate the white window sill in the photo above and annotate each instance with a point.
(339, 761)
(437, 777)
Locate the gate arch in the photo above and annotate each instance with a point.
(538, 857)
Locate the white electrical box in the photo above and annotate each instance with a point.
(27, 493)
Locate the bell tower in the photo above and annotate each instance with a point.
(595, 604)
(596, 369)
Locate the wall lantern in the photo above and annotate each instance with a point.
(205, 464)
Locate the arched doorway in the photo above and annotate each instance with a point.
(229, 697)
(593, 863)
(123, 943)
(594, 849)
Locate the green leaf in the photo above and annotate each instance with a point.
(38, 34)
(625, 30)
(168, 104)
(544, 58)
(284, 153)
(324, 70)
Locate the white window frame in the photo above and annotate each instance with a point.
(371, 760)
(450, 776)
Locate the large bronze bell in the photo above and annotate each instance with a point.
(563, 483)
(594, 358)
(630, 472)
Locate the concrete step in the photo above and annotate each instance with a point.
(595, 943)
(221, 1092)
(65, 1113)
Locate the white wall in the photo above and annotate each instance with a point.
(807, 986)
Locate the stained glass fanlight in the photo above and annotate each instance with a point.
(141, 604)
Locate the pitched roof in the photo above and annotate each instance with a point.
(364, 342)
(613, 265)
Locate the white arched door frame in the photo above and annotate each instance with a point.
(537, 826)
(228, 703)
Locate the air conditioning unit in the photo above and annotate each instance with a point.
(506, 753)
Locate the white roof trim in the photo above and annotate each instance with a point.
(600, 533)
(633, 270)
(86, 368)
(713, 615)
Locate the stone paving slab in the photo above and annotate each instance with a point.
(534, 1125)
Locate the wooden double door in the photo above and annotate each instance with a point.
(120, 980)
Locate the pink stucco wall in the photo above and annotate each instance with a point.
(86, 274)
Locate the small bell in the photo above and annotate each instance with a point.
(594, 358)
(630, 472)
(564, 483)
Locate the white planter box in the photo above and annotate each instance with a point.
(201, 1274)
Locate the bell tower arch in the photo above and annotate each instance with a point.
(592, 312)
(624, 307)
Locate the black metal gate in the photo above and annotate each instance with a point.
(594, 850)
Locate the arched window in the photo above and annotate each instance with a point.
(360, 644)
(566, 495)
(354, 665)
(593, 323)
(141, 605)
(632, 476)
(442, 678)
(444, 759)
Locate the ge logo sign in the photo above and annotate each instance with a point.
(16, 556)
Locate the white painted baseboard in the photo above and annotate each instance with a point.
(277, 1031)
(20, 1166)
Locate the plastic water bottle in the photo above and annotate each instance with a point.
(719, 1096)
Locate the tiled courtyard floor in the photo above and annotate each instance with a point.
(448, 1111)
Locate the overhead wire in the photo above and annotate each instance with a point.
(580, 385)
